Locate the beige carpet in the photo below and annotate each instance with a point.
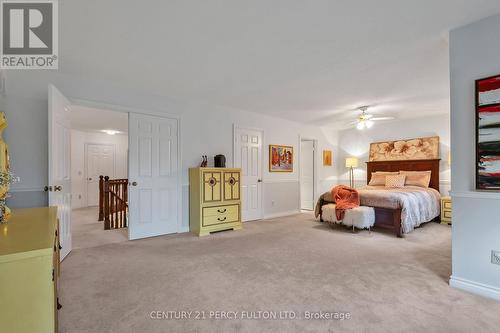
(287, 264)
(88, 232)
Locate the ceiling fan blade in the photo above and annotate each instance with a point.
(382, 118)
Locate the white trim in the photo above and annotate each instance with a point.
(475, 287)
(183, 229)
(26, 189)
(281, 214)
(121, 108)
(262, 154)
(277, 181)
(315, 168)
(475, 195)
(128, 110)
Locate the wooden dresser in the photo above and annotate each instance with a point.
(29, 268)
(214, 200)
(446, 210)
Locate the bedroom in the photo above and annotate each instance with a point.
(203, 79)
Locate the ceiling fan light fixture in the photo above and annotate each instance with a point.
(369, 123)
(361, 125)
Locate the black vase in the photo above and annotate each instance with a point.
(220, 161)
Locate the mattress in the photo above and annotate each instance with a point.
(418, 205)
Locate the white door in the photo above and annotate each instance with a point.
(248, 157)
(100, 161)
(307, 175)
(60, 164)
(153, 176)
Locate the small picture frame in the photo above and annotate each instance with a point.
(327, 158)
(280, 158)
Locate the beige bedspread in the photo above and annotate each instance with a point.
(418, 205)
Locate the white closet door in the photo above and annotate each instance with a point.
(307, 175)
(100, 161)
(153, 176)
(60, 164)
(248, 157)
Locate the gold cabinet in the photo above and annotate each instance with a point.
(29, 269)
(214, 200)
(446, 210)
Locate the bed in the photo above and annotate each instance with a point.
(403, 209)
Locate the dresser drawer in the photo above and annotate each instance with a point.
(221, 214)
(447, 214)
(447, 204)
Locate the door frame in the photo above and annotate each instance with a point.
(315, 169)
(262, 164)
(86, 171)
(177, 118)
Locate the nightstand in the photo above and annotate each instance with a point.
(446, 210)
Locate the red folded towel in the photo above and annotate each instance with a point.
(345, 198)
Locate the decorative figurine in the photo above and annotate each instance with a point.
(204, 161)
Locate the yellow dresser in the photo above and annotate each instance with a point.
(446, 210)
(214, 200)
(29, 268)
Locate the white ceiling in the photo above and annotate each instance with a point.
(309, 61)
(96, 120)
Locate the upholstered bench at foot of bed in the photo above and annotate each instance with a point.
(360, 217)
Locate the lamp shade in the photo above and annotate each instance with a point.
(351, 162)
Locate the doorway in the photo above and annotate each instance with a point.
(99, 149)
(248, 157)
(100, 160)
(143, 154)
(307, 173)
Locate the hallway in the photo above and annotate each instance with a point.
(87, 232)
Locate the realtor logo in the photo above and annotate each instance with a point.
(29, 34)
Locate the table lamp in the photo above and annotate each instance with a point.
(351, 163)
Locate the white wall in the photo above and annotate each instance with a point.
(211, 133)
(205, 129)
(78, 161)
(474, 54)
(353, 142)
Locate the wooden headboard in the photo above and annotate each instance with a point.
(409, 165)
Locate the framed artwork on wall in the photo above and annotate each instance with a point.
(403, 150)
(327, 158)
(280, 158)
(488, 133)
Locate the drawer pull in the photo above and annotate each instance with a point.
(222, 210)
(221, 219)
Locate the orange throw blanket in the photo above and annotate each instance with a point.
(345, 198)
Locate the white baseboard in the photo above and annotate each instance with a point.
(183, 229)
(475, 287)
(281, 214)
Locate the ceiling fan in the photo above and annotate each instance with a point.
(366, 120)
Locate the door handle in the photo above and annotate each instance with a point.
(134, 184)
(57, 188)
(47, 188)
(259, 180)
(90, 179)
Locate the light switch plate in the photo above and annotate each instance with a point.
(495, 257)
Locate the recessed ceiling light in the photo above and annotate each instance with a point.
(111, 132)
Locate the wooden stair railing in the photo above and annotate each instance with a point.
(113, 202)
